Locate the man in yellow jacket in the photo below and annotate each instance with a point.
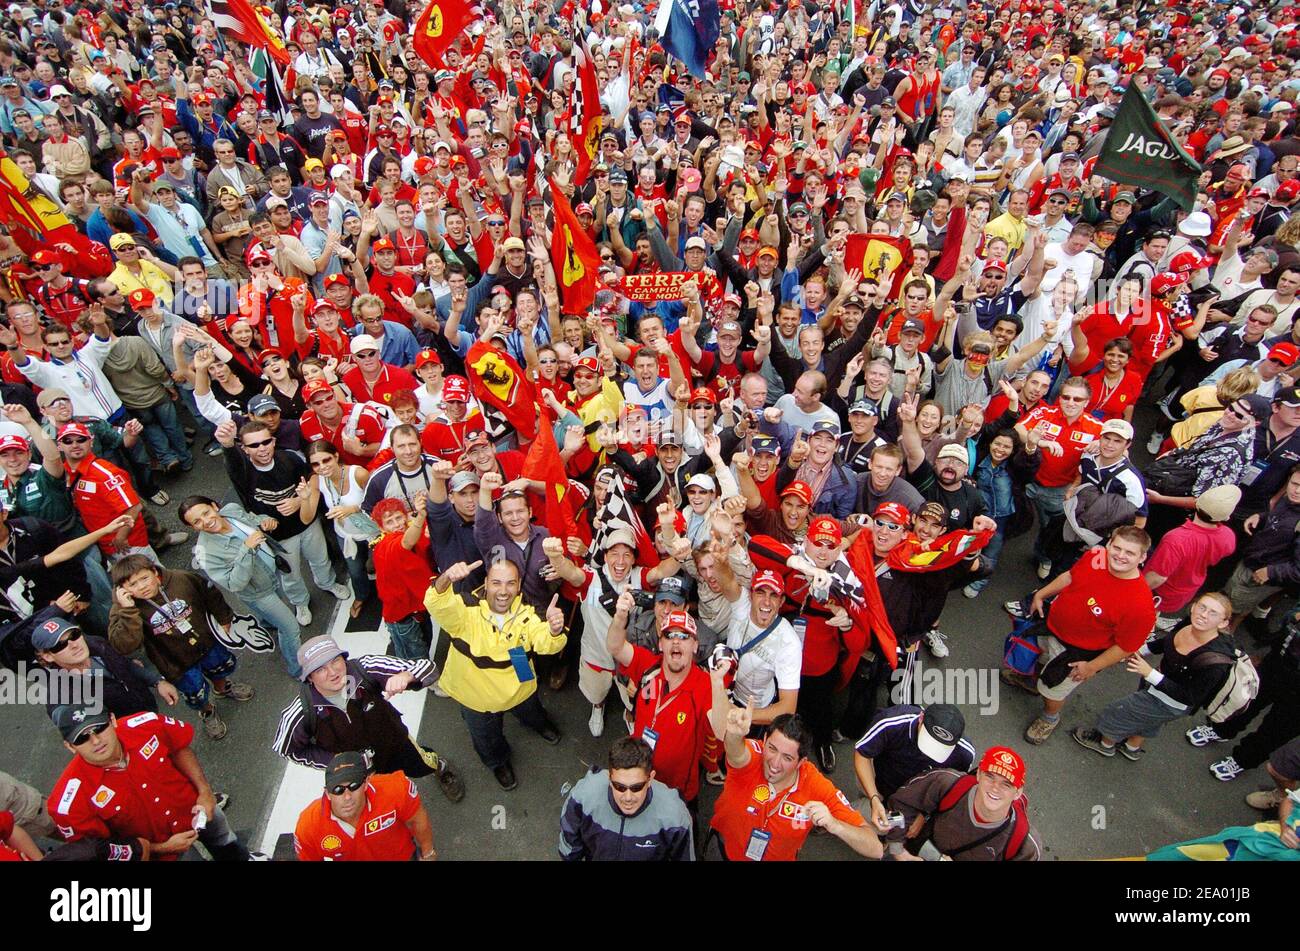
(489, 667)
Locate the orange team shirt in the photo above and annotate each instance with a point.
(380, 834)
(679, 721)
(927, 318)
(747, 803)
(1074, 438)
(100, 493)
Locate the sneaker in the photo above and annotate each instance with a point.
(259, 857)
(1091, 740)
(550, 734)
(171, 468)
(1266, 800)
(213, 448)
(1038, 731)
(1132, 753)
(1166, 407)
(160, 498)
(826, 758)
(934, 640)
(715, 778)
(1226, 770)
(838, 737)
(223, 800)
(1044, 570)
(302, 614)
(1262, 612)
(971, 591)
(1016, 609)
(1014, 678)
(505, 775)
(172, 538)
(189, 431)
(1203, 735)
(449, 781)
(438, 691)
(236, 691)
(596, 722)
(213, 725)
(340, 591)
(1155, 442)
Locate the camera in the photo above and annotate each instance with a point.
(645, 600)
(895, 820)
(722, 654)
(1202, 294)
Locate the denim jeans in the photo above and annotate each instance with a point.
(1047, 502)
(163, 433)
(363, 589)
(487, 730)
(309, 544)
(278, 618)
(101, 590)
(202, 426)
(194, 684)
(410, 637)
(219, 839)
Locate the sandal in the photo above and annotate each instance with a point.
(355, 610)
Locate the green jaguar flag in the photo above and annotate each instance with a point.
(1140, 151)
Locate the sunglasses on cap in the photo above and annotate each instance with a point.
(341, 788)
(90, 732)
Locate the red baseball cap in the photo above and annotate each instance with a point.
(1288, 189)
(475, 437)
(1005, 762)
(427, 356)
(141, 297)
(73, 429)
(1285, 353)
(424, 165)
(825, 530)
(681, 621)
(333, 279)
(233, 319)
(894, 511)
(1166, 281)
(590, 364)
(1184, 262)
(767, 579)
(323, 303)
(800, 490)
(455, 388)
(383, 244)
(702, 394)
(14, 441)
(256, 252)
(314, 388)
(46, 256)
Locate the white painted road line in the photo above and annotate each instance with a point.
(300, 785)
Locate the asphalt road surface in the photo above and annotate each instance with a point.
(1084, 806)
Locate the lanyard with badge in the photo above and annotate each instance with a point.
(181, 625)
(1258, 466)
(649, 734)
(761, 837)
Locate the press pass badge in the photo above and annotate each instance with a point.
(757, 845)
(523, 669)
(651, 738)
(1251, 473)
(800, 626)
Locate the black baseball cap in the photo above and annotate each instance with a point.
(942, 726)
(672, 589)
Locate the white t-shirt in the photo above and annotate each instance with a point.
(596, 620)
(773, 664)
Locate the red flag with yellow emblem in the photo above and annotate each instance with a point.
(879, 258)
(35, 222)
(575, 257)
(543, 463)
(496, 379)
(241, 19)
(442, 23)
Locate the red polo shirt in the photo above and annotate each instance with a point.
(1074, 438)
(678, 719)
(1097, 611)
(148, 797)
(380, 833)
(391, 380)
(357, 420)
(101, 492)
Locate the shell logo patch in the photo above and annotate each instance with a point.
(762, 793)
(151, 747)
(330, 843)
(103, 796)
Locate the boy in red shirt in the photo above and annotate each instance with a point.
(1102, 613)
(402, 570)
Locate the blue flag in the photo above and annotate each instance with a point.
(688, 29)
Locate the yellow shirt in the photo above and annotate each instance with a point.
(150, 276)
(1010, 229)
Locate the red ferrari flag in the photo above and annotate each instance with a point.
(543, 464)
(241, 20)
(880, 258)
(575, 257)
(35, 223)
(584, 114)
(442, 23)
(868, 612)
(496, 379)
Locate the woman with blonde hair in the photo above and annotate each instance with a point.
(1205, 404)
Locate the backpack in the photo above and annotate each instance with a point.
(1174, 474)
(1238, 690)
(1019, 818)
(1020, 651)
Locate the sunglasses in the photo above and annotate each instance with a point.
(340, 789)
(1074, 399)
(891, 526)
(90, 732)
(322, 401)
(73, 440)
(59, 648)
(1239, 414)
(366, 354)
(496, 223)
(260, 444)
(676, 635)
(629, 787)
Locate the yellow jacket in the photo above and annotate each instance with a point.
(151, 276)
(479, 673)
(1202, 398)
(604, 407)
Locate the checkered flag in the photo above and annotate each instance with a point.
(618, 512)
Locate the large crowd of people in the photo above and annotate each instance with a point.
(727, 513)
